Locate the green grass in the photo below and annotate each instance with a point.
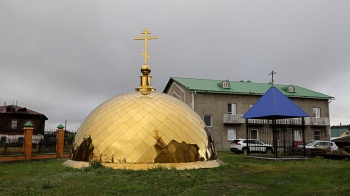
(239, 176)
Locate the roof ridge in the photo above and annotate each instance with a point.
(17, 107)
(238, 81)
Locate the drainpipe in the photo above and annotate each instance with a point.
(193, 94)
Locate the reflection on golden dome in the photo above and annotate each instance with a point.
(136, 128)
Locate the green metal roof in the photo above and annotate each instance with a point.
(336, 132)
(241, 87)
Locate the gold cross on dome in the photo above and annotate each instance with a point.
(272, 73)
(146, 38)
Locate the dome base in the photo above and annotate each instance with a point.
(147, 166)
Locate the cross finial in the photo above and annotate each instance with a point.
(145, 80)
(272, 73)
(146, 38)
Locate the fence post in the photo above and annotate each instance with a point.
(28, 133)
(60, 140)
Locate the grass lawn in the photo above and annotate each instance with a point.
(240, 176)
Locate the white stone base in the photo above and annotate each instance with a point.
(146, 166)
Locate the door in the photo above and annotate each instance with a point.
(316, 112)
(231, 108)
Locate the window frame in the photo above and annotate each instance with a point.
(232, 108)
(316, 112)
(225, 84)
(231, 132)
(211, 120)
(14, 124)
(297, 135)
(257, 134)
(317, 135)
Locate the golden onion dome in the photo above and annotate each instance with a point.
(137, 128)
(143, 127)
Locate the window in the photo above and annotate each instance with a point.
(231, 108)
(291, 89)
(231, 134)
(316, 112)
(225, 84)
(254, 134)
(297, 136)
(317, 135)
(14, 124)
(208, 120)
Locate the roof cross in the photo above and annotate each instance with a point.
(272, 73)
(146, 38)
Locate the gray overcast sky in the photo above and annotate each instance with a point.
(64, 58)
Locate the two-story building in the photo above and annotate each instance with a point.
(13, 118)
(222, 103)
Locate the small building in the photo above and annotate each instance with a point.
(222, 103)
(337, 132)
(13, 118)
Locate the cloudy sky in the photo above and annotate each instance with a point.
(65, 57)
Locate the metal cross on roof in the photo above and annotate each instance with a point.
(146, 38)
(272, 73)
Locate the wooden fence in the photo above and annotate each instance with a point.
(26, 149)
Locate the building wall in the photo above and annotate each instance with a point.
(182, 93)
(6, 121)
(216, 104)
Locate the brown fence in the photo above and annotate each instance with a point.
(26, 149)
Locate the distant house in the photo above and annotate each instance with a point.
(222, 103)
(337, 132)
(13, 117)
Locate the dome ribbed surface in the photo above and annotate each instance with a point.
(136, 128)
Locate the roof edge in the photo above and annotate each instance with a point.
(279, 86)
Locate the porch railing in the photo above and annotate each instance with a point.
(237, 119)
(233, 118)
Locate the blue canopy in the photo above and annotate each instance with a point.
(274, 105)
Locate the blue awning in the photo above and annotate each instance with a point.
(274, 105)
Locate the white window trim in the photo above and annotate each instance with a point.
(316, 112)
(178, 87)
(297, 135)
(233, 108)
(14, 124)
(233, 133)
(226, 84)
(174, 94)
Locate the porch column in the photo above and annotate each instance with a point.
(28, 134)
(246, 133)
(274, 136)
(60, 140)
(303, 130)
